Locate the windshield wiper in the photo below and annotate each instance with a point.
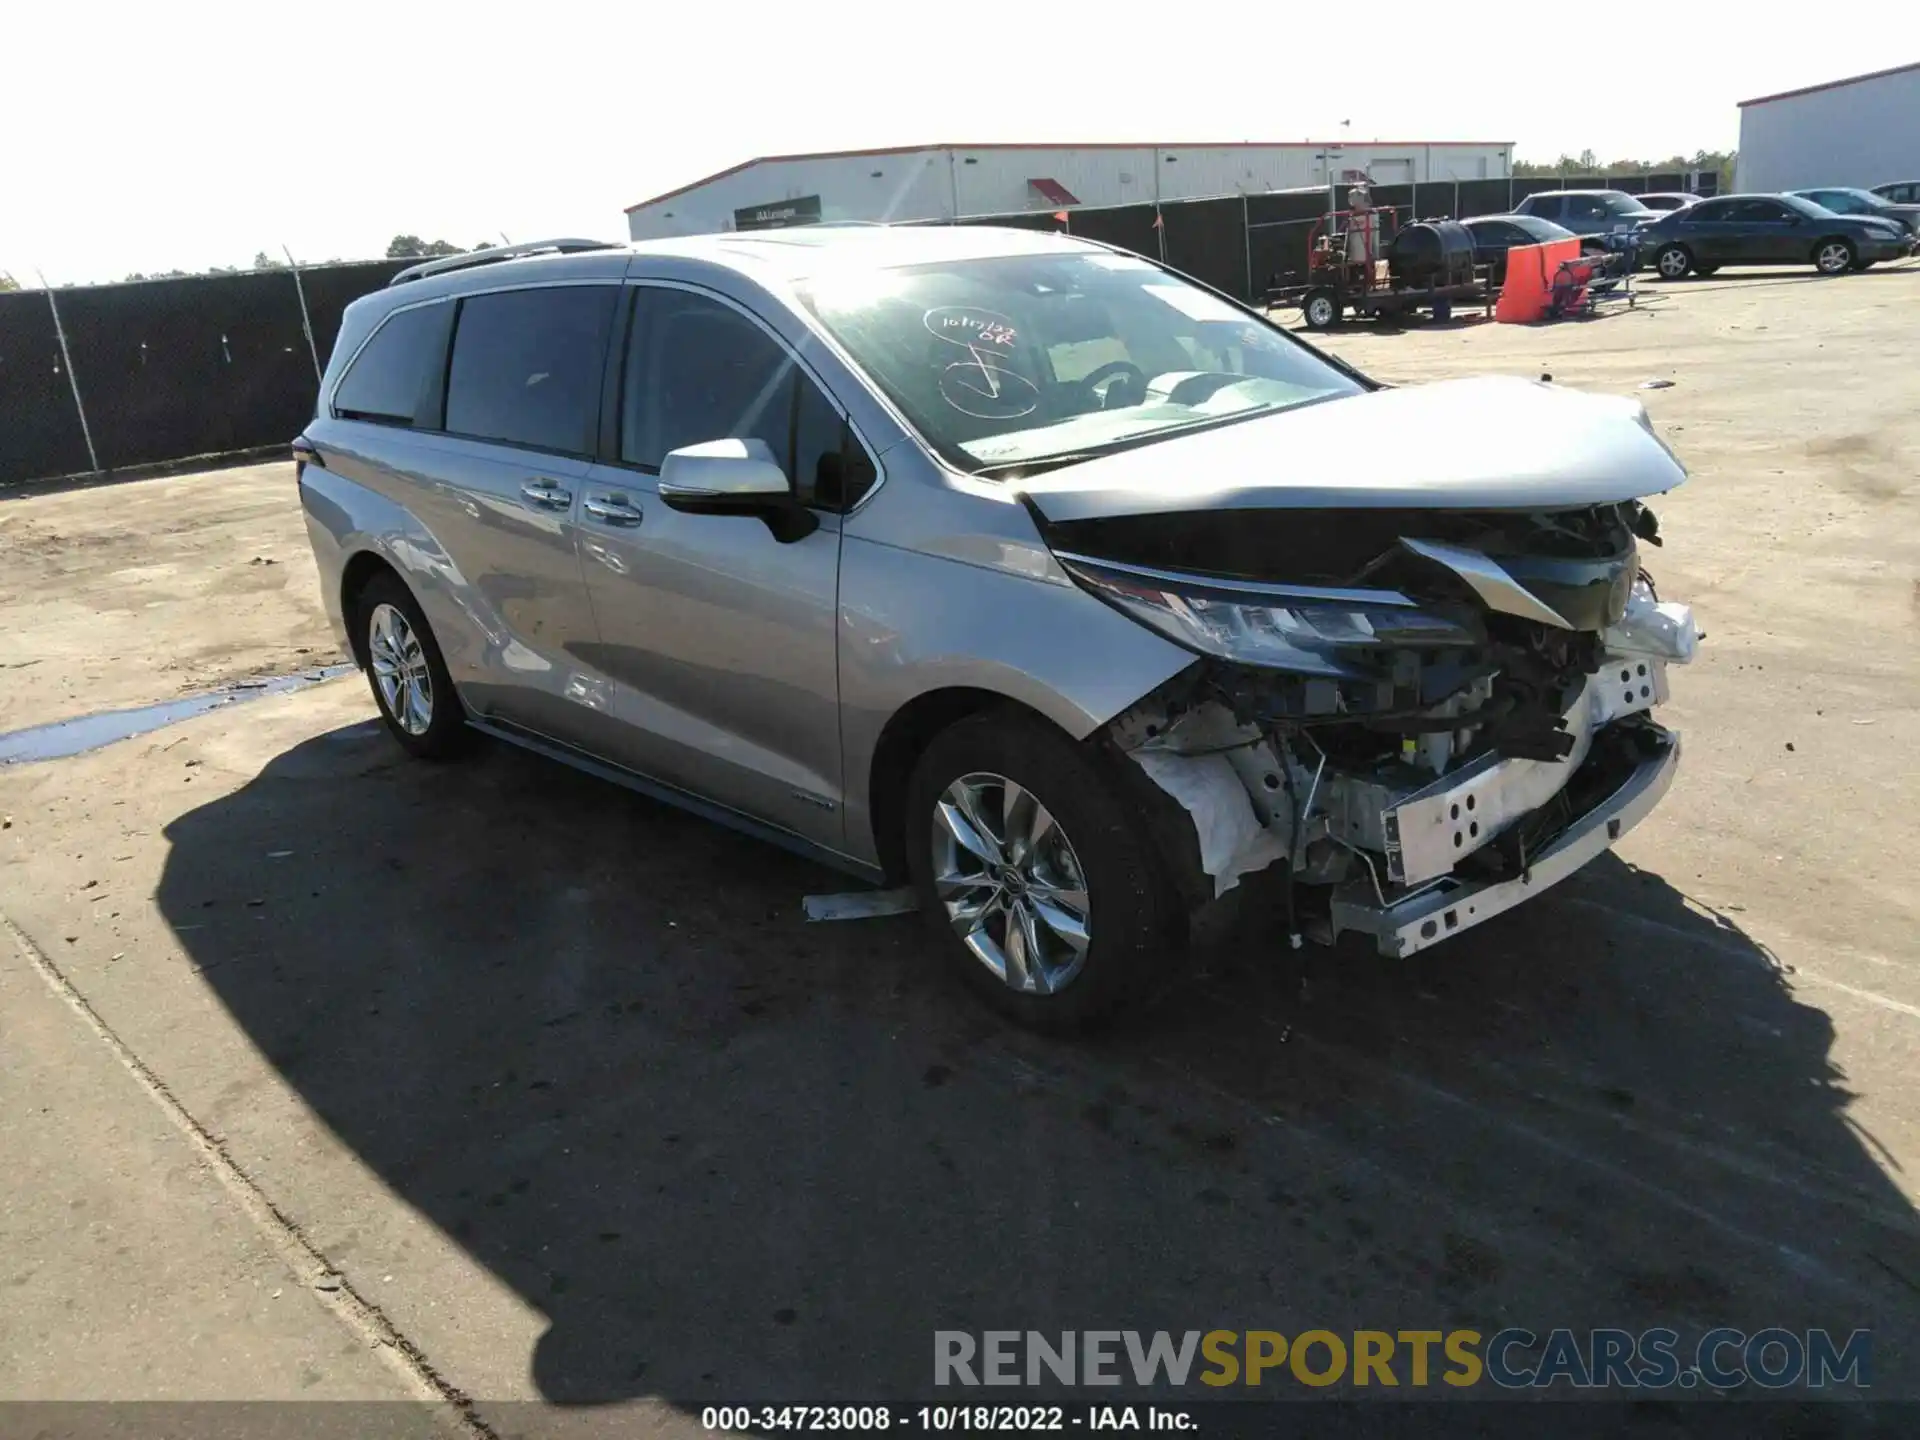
(1041, 463)
(1038, 465)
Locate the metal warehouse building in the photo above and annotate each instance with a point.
(948, 182)
(1864, 131)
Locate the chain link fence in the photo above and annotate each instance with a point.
(110, 377)
(1242, 244)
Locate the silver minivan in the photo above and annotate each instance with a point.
(1011, 566)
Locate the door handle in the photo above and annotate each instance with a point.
(612, 510)
(546, 494)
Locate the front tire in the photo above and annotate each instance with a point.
(1835, 256)
(1048, 898)
(407, 673)
(1673, 262)
(1703, 271)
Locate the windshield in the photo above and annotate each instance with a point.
(1619, 203)
(1541, 229)
(1020, 361)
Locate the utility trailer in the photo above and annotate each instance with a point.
(1348, 272)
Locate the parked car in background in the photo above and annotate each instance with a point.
(1009, 565)
(1767, 230)
(1900, 192)
(1668, 200)
(1494, 235)
(1844, 200)
(1589, 212)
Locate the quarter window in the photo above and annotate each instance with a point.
(526, 366)
(388, 377)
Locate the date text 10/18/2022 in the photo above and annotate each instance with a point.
(942, 1419)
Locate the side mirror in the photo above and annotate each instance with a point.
(734, 477)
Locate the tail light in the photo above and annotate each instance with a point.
(305, 453)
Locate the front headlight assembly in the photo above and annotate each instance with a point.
(1303, 629)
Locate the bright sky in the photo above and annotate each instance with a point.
(189, 133)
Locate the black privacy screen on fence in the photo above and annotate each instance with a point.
(39, 429)
(167, 368)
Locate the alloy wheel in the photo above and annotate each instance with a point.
(1673, 263)
(400, 669)
(1010, 883)
(1833, 258)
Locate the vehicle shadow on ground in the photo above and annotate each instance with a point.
(733, 1156)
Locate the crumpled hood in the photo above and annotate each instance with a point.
(1499, 442)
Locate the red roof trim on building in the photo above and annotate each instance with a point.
(1056, 145)
(1830, 85)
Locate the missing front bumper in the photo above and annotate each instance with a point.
(1411, 922)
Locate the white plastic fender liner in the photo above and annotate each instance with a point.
(1664, 629)
(1232, 840)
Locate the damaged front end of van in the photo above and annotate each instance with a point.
(1424, 701)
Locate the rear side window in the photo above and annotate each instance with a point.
(391, 373)
(699, 370)
(526, 366)
(1545, 206)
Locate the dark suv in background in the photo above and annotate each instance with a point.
(1589, 212)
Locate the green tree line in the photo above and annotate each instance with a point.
(1719, 162)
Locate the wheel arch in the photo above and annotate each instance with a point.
(1813, 255)
(903, 740)
(361, 567)
(906, 735)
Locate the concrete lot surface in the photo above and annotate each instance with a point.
(559, 1085)
(113, 596)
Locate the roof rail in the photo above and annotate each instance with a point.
(499, 252)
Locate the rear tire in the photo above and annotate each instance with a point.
(1673, 262)
(1064, 857)
(1835, 256)
(407, 673)
(1320, 309)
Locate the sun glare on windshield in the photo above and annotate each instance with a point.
(1019, 361)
